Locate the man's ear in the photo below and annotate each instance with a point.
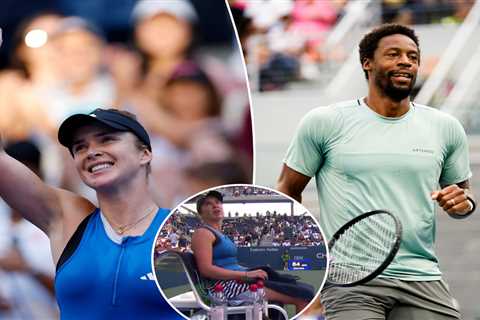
(366, 65)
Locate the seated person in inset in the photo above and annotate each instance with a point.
(216, 257)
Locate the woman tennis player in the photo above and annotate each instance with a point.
(102, 254)
(216, 257)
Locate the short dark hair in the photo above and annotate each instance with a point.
(369, 42)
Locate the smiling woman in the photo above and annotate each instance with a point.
(105, 246)
(116, 133)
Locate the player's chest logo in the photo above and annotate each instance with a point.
(423, 150)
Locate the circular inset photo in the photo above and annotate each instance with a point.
(240, 252)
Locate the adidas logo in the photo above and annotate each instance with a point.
(148, 276)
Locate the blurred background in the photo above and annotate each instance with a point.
(174, 63)
(304, 54)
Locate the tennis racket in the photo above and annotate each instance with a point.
(362, 248)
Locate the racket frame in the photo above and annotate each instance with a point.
(388, 259)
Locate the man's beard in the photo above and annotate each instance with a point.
(390, 90)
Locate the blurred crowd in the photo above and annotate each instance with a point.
(161, 63)
(262, 229)
(412, 12)
(192, 98)
(273, 229)
(282, 37)
(176, 233)
(283, 41)
(247, 190)
(26, 268)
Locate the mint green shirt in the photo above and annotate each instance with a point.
(363, 161)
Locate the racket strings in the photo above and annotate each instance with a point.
(362, 248)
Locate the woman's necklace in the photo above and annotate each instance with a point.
(122, 229)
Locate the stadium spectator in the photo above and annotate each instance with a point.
(35, 61)
(285, 258)
(31, 74)
(84, 84)
(164, 33)
(26, 276)
(424, 11)
(173, 237)
(33, 53)
(460, 10)
(314, 19)
(183, 242)
(264, 14)
(124, 64)
(238, 191)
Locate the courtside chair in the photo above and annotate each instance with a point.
(197, 299)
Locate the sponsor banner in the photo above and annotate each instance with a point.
(272, 256)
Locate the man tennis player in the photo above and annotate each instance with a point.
(384, 151)
(103, 255)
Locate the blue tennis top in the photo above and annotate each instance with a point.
(106, 280)
(224, 251)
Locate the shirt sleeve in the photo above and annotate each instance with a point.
(306, 151)
(456, 166)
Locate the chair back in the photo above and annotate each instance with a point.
(187, 260)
